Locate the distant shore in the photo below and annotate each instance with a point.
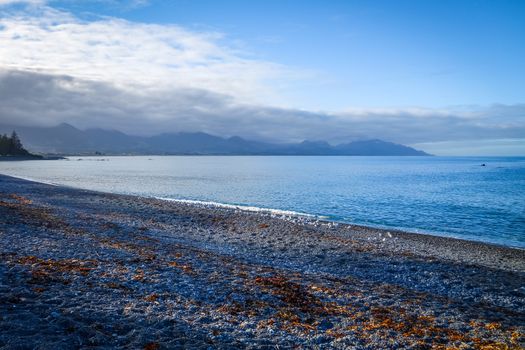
(83, 268)
(32, 157)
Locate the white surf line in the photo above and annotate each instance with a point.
(239, 207)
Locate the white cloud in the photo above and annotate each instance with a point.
(139, 3)
(133, 55)
(10, 2)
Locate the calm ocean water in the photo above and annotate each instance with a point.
(439, 195)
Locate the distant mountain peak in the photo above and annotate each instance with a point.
(66, 139)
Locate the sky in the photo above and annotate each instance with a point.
(444, 76)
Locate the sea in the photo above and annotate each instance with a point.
(473, 198)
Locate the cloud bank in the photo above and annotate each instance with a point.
(146, 79)
(48, 99)
(133, 56)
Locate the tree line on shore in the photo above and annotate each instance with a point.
(12, 146)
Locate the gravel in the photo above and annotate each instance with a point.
(87, 269)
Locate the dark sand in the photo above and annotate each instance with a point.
(81, 269)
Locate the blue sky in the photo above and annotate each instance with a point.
(367, 53)
(284, 70)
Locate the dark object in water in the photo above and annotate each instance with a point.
(483, 164)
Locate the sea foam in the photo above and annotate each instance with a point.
(276, 212)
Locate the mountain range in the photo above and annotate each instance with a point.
(65, 139)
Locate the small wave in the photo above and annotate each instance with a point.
(240, 207)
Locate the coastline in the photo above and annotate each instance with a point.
(260, 279)
(469, 239)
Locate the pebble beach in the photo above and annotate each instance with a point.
(85, 269)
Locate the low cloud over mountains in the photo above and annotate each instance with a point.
(40, 99)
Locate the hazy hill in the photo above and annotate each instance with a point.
(66, 139)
